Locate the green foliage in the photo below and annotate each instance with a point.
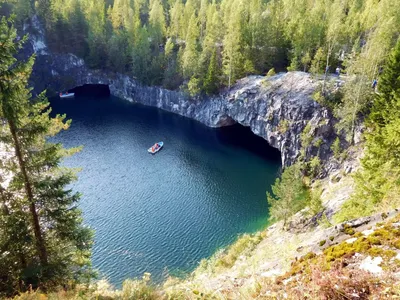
(357, 98)
(322, 243)
(283, 126)
(306, 136)
(194, 86)
(317, 64)
(314, 166)
(347, 229)
(42, 239)
(377, 184)
(271, 72)
(226, 258)
(244, 243)
(248, 37)
(315, 203)
(289, 195)
(336, 149)
(138, 289)
(211, 83)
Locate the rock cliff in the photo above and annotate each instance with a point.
(277, 108)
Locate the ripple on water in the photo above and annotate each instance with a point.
(161, 213)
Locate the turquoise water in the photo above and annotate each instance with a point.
(163, 213)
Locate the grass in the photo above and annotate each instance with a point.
(226, 258)
(312, 276)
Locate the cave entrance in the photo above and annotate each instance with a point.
(92, 90)
(241, 136)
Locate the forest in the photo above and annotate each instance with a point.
(203, 45)
(198, 46)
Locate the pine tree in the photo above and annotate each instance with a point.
(233, 59)
(172, 78)
(176, 15)
(289, 195)
(211, 83)
(95, 14)
(157, 23)
(386, 106)
(191, 53)
(141, 56)
(57, 243)
(378, 183)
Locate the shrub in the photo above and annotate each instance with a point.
(347, 229)
(321, 243)
(335, 147)
(271, 72)
(283, 126)
(314, 166)
(138, 289)
(306, 137)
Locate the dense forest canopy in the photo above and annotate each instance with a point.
(206, 44)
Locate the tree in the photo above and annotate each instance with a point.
(95, 12)
(378, 184)
(141, 56)
(52, 234)
(317, 62)
(157, 23)
(172, 78)
(190, 54)
(211, 82)
(289, 195)
(233, 60)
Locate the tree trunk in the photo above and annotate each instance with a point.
(326, 69)
(40, 245)
(230, 73)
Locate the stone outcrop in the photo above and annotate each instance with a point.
(277, 108)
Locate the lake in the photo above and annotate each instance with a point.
(163, 213)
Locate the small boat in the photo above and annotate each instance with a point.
(155, 148)
(67, 95)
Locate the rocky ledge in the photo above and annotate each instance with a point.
(278, 108)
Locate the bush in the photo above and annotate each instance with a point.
(283, 126)
(138, 289)
(306, 137)
(314, 166)
(335, 147)
(244, 243)
(271, 72)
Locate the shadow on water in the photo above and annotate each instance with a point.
(171, 209)
(91, 90)
(242, 137)
(236, 135)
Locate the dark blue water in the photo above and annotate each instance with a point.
(163, 213)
